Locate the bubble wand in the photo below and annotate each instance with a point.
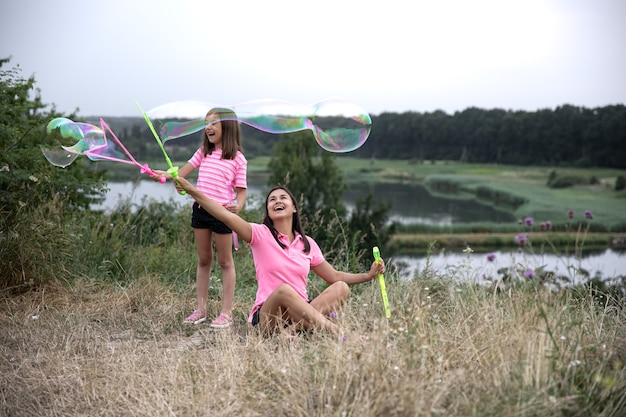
(235, 237)
(92, 143)
(173, 171)
(381, 281)
(142, 168)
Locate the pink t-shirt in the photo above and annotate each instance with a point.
(217, 177)
(275, 265)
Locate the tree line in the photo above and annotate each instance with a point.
(566, 135)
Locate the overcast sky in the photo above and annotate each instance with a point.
(389, 55)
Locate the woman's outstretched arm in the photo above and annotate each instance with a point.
(232, 220)
(329, 274)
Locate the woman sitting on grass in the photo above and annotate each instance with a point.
(283, 256)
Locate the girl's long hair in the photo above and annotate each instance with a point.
(296, 224)
(231, 134)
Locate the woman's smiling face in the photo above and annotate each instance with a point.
(279, 204)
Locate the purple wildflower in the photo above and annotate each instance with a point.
(570, 214)
(491, 257)
(548, 225)
(529, 273)
(333, 315)
(521, 239)
(588, 214)
(529, 221)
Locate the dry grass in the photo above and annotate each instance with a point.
(102, 350)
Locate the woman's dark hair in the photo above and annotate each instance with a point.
(231, 134)
(296, 224)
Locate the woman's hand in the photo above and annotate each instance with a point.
(377, 268)
(179, 189)
(182, 184)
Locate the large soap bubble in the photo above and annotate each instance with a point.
(337, 125)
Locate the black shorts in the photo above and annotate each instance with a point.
(201, 219)
(255, 316)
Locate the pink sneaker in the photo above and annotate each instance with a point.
(196, 317)
(222, 322)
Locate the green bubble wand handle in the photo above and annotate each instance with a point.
(381, 281)
(173, 171)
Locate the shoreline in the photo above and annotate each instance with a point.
(484, 242)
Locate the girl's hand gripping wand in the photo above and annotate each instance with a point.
(381, 281)
(173, 171)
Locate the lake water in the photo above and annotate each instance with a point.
(609, 263)
(411, 204)
(415, 204)
(136, 192)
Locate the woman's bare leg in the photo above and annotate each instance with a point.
(331, 298)
(285, 303)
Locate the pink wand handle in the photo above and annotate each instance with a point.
(235, 241)
(146, 169)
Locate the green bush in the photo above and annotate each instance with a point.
(566, 181)
(35, 196)
(499, 197)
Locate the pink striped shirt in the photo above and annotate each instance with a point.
(275, 265)
(217, 177)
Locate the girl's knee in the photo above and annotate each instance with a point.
(205, 261)
(205, 257)
(226, 264)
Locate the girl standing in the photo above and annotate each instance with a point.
(221, 176)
